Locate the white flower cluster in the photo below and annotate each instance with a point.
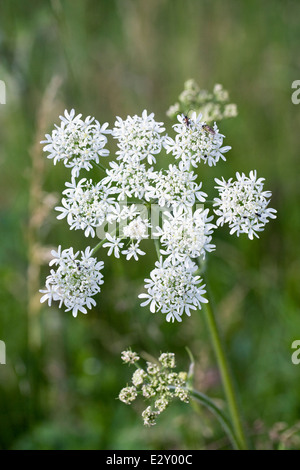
(174, 187)
(86, 205)
(139, 138)
(128, 180)
(214, 106)
(195, 142)
(76, 142)
(158, 383)
(174, 287)
(129, 357)
(75, 281)
(186, 235)
(243, 204)
(136, 230)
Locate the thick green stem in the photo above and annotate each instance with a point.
(213, 408)
(226, 377)
(208, 403)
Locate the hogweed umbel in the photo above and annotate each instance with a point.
(131, 186)
(157, 383)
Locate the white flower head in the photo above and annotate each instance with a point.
(175, 187)
(76, 142)
(158, 382)
(161, 404)
(137, 229)
(243, 204)
(123, 212)
(86, 205)
(139, 138)
(138, 377)
(129, 357)
(173, 289)
(133, 251)
(114, 245)
(149, 416)
(127, 179)
(75, 281)
(128, 394)
(186, 235)
(195, 142)
(167, 360)
(220, 93)
(230, 110)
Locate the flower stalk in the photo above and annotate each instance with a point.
(224, 421)
(226, 376)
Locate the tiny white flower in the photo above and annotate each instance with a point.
(128, 395)
(149, 416)
(161, 404)
(230, 110)
(167, 360)
(114, 244)
(129, 357)
(138, 377)
(133, 251)
(137, 229)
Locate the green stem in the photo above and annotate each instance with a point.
(157, 247)
(96, 248)
(99, 166)
(226, 376)
(208, 403)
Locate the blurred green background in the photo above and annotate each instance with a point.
(59, 386)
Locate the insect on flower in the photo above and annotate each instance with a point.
(209, 129)
(186, 121)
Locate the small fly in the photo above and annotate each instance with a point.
(209, 129)
(186, 121)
